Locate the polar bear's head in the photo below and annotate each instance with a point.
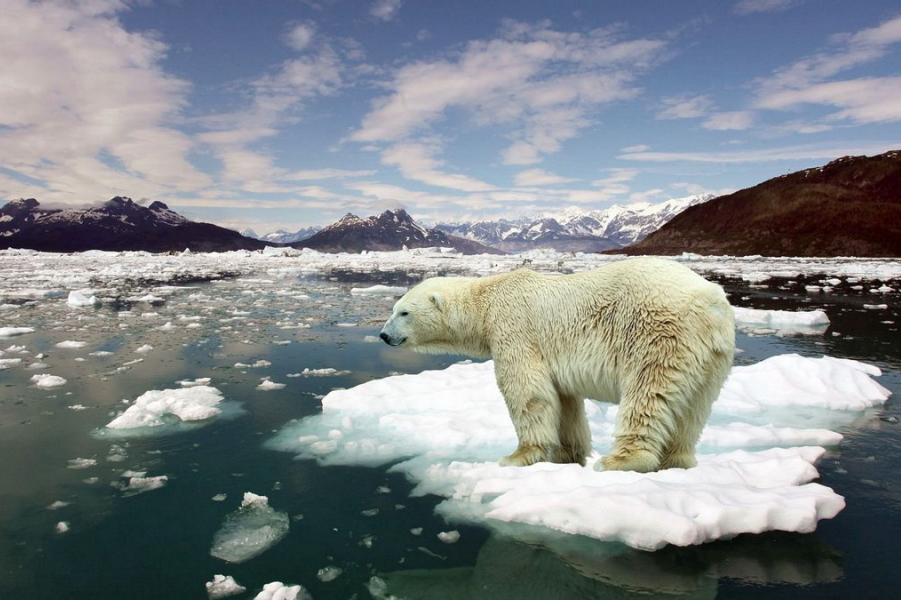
(418, 320)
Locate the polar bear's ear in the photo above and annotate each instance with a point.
(436, 300)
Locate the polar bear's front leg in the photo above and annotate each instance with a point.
(535, 410)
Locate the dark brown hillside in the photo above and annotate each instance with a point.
(850, 207)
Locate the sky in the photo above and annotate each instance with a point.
(284, 114)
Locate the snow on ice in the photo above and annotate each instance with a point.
(223, 586)
(446, 430)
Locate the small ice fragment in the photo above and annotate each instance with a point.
(62, 527)
(57, 505)
(144, 349)
(45, 380)
(81, 463)
(71, 344)
(222, 586)
(329, 573)
(139, 485)
(449, 537)
(219, 497)
(378, 588)
(416, 531)
(77, 299)
(267, 385)
(77, 407)
(6, 332)
(370, 512)
(279, 591)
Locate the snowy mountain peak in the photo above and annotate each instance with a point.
(574, 229)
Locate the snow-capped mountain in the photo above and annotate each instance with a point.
(574, 230)
(283, 236)
(118, 224)
(391, 230)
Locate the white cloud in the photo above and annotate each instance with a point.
(385, 10)
(788, 153)
(685, 107)
(314, 174)
(300, 36)
(811, 80)
(87, 108)
(416, 161)
(542, 85)
(539, 177)
(730, 121)
(747, 7)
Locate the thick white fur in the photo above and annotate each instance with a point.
(647, 333)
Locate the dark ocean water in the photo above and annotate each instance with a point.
(157, 544)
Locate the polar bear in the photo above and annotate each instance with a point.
(647, 333)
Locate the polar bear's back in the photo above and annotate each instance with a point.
(595, 327)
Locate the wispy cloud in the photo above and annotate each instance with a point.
(539, 177)
(685, 107)
(730, 121)
(416, 161)
(747, 7)
(385, 10)
(789, 153)
(540, 84)
(813, 79)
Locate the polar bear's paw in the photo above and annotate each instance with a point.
(525, 456)
(641, 461)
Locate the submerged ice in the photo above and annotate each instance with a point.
(249, 531)
(446, 429)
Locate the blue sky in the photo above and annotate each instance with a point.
(288, 113)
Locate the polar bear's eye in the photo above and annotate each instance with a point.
(404, 313)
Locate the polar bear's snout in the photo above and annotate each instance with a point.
(390, 336)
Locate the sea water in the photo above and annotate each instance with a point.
(93, 511)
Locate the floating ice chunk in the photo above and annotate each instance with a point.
(267, 385)
(71, 344)
(783, 322)
(279, 591)
(144, 349)
(326, 372)
(446, 430)
(79, 298)
(223, 586)
(47, 381)
(6, 363)
(160, 407)
(58, 504)
(449, 537)
(380, 290)
(194, 382)
(62, 527)
(250, 530)
(8, 332)
(329, 573)
(81, 463)
(140, 484)
(875, 306)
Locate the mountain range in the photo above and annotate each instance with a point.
(391, 230)
(574, 230)
(849, 207)
(118, 224)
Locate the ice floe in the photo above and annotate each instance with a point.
(156, 408)
(249, 531)
(277, 590)
(781, 322)
(445, 430)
